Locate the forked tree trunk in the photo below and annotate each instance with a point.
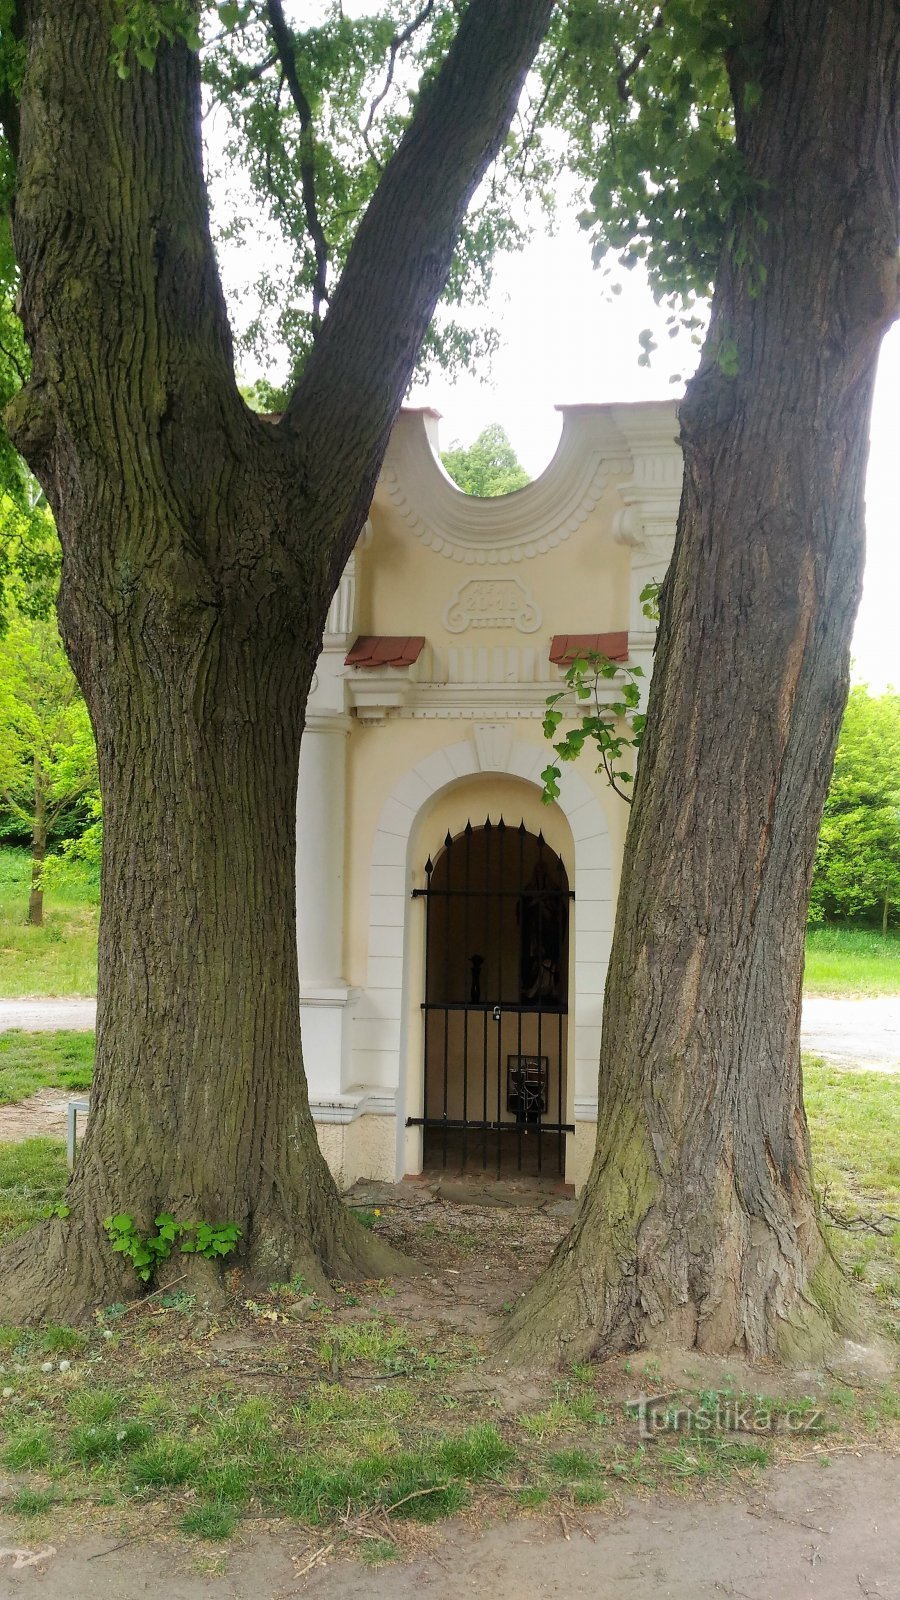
(201, 547)
(38, 847)
(698, 1225)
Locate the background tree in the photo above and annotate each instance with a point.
(488, 466)
(47, 757)
(857, 872)
(201, 546)
(739, 134)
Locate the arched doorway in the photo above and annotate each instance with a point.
(496, 1003)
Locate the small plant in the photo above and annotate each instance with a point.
(216, 1520)
(592, 1493)
(104, 1441)
(164, 1465)
(367, 1217)
(146, 1251)
(32, 1502)
(27, 1449)
(378, 1552)
(602, 725)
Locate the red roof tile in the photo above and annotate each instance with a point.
(385, 650)
(567, 647)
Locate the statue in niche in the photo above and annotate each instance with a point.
(476, 963)
(541, 915)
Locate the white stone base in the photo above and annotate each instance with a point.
(358, 1136)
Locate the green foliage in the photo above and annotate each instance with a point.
(58, 957)
(143, 25)
(857, 872)
(488, 467)
(641, 93)
(146, 1250)
(48, 762)
(603, 725)
(359, 77)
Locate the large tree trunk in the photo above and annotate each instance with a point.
(201, 546)
(38, 847)
(698, 1225)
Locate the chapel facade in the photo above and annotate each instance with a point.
(454, 931)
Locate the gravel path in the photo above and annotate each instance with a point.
(855, 1033)
(38, 1015)
(864, 1034)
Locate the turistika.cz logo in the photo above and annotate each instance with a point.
(722, 1413)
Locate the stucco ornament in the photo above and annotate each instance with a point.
(492, 603)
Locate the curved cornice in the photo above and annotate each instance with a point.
(511, 527)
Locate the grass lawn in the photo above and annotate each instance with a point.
(30, 1061)
(357, 1418)
(851, 961)
(59, 958)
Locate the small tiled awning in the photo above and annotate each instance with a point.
(567, 647)
(385, 650)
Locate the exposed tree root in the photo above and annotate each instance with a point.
(64, 1270)
(737, 1288)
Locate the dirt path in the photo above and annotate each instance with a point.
(830, 1532)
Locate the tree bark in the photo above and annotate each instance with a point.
(201, 546)
(698, 1226)
(38, 846)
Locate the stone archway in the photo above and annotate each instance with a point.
(381, 1015)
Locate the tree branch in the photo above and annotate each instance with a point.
(397, 43)
(626, 73)
(286, 45)
(346, 402)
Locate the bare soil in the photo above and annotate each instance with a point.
(41, 1115)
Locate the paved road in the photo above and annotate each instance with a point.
(856, 1033)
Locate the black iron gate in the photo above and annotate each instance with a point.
(496, 1001)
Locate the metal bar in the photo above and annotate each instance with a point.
(448, 844)
(522, 831)
(563, 979)
(540, 1120)
(487, 830)
(462, 1005)
(502, 831)
(465, 958)
(498, 894)
(457, 1122)
(429, 868)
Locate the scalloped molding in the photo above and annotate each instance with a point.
(511, 527)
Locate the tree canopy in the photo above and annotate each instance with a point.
(304, 107)
(858, 858)
(488, 466)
